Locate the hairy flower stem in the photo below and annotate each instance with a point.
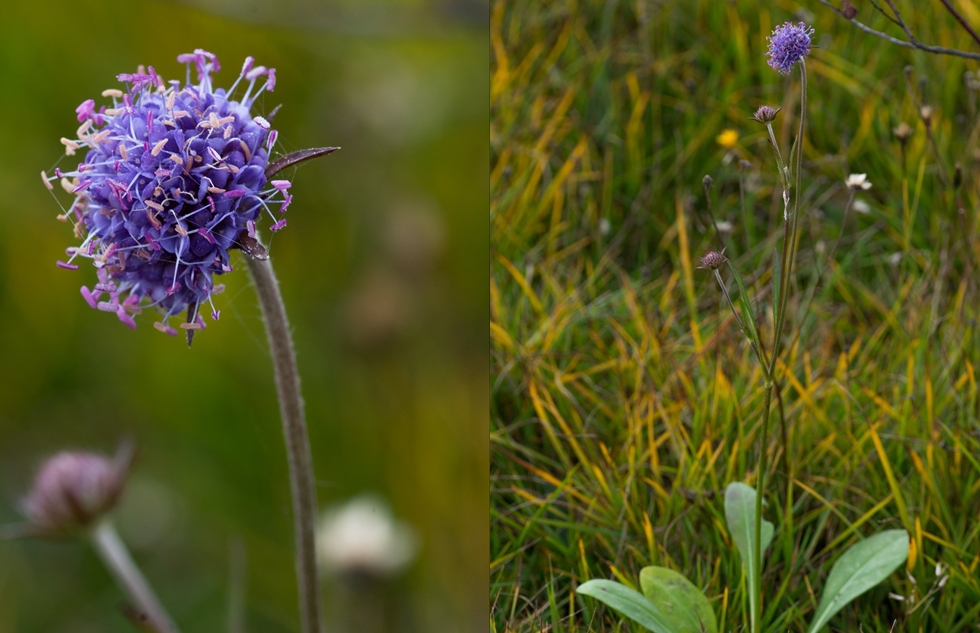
(116, 557)
(788, 257)
(756, 611)
(302, 482)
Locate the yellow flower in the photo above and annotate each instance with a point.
(727, 139)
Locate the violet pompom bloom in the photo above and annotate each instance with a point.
(73, 491)
(788, 44)
(174, 177)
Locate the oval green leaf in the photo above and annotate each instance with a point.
(860, 568)
(682, 604)
(630, 603)
(740, 516)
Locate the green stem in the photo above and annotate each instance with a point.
(788, 257)
(114, 554)
(757, 542)
(301, 479)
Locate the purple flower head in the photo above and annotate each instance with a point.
(173, 177)
(788, 44)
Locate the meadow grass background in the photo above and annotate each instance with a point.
(623, 396)
(383, 270)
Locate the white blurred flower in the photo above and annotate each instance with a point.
(362, 537)
(858, 182)
(862, 207)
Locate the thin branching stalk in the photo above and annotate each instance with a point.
(912, 42)
(114, 554)
(302, 482)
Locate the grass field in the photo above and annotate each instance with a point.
(624, 398)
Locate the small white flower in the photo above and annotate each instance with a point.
(724, 226)
(605, 226)
(362, 537)
(862, 207)
(858, 182)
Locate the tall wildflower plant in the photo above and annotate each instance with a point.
(669, 602)
(173, 177)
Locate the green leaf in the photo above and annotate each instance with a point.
(777, 278)
(682, 604)
(740, 516)
(860, 568)
(746, 307)
(630, 603)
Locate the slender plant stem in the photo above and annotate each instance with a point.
(116, 557)
(302, 482)
(788, 257)
(789, 238)
(757, 544)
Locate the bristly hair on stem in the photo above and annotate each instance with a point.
(301, 478)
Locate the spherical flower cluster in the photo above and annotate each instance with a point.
(173, 177)
(74, 490)
(788, 44)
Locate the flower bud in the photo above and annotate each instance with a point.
(73, 490)
(766, 114)
(712, 260)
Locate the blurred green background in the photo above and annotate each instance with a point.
(383, 270)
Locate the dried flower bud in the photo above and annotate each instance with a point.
(849, 10)
(858, 182)
(707, 181)
(766, 114)
(73, 490)
(903, 132)
(712, 260)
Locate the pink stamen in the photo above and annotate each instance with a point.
(66, 265)
(90, 297)
(126, 318)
